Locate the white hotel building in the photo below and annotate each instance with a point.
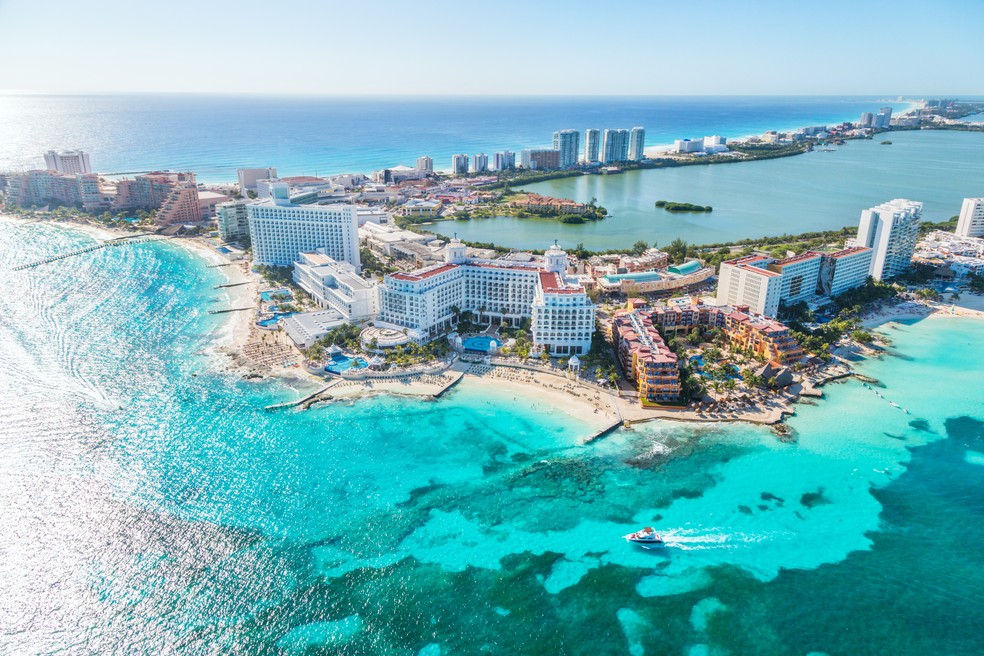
(747, 281)
(280, 231)
(424, 301)
(800, 274)
(844, 270)
(890, 230)
(337, 286)
(971, 221)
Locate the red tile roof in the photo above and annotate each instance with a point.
(424, 274)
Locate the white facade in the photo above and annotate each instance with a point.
(425, 163)
(971, 221)
(567, 142)
(280, 231)
(249, 177)
(688, 145)
(890, 230)
(338, 286)
(233, 220)
(592, 141)
(459, 164)
(69, 161)
(800, 275)
(504, 160)
(424, 301)
(615, 146)
(844, 270)
(480, 163)
(637, 144)
(563, 317)
(746, 281)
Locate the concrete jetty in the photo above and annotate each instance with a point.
(119, 241)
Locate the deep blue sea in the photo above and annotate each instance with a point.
(150, 505)
(214, 135)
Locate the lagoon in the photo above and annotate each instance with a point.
(814, 191)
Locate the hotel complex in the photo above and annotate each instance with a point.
(337, 286)
(280, 231)
(971, 220)
(428, 302)
(890, 230)
(762, 283)
(638, 337)
(69, 161)
(844, 270)
(748, 281)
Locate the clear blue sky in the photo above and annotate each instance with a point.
(522, 47)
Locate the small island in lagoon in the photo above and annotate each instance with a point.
(671, 206)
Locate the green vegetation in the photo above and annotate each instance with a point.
(372, 264)
(886, 143)
(345, 336)
(770, 151)
(413, 353)
(277, 275)
(671, 206)
(975, 283)
(950, 225)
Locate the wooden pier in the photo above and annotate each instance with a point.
(232, 284)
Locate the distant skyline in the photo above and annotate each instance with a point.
(575, 47)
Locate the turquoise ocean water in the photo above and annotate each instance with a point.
(213, 135)
(150, 505)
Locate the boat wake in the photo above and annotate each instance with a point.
(694, 541)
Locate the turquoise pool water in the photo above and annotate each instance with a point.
(269, 294)
(272, 321)
(480, 343)
(342, 363)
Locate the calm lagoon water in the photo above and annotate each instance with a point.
(814, 191)
(150, 505)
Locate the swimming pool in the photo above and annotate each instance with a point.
(479, 343)
(731, 371)
(270, 293)
(272, 321)
(341, 363)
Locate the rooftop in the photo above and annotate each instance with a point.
(423, 274)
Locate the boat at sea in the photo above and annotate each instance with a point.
(647, 535)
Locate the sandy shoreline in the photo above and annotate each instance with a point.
(596, 408)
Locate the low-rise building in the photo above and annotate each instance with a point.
(337, 286)
(419, 208)
(249, 177)
(208, 201)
